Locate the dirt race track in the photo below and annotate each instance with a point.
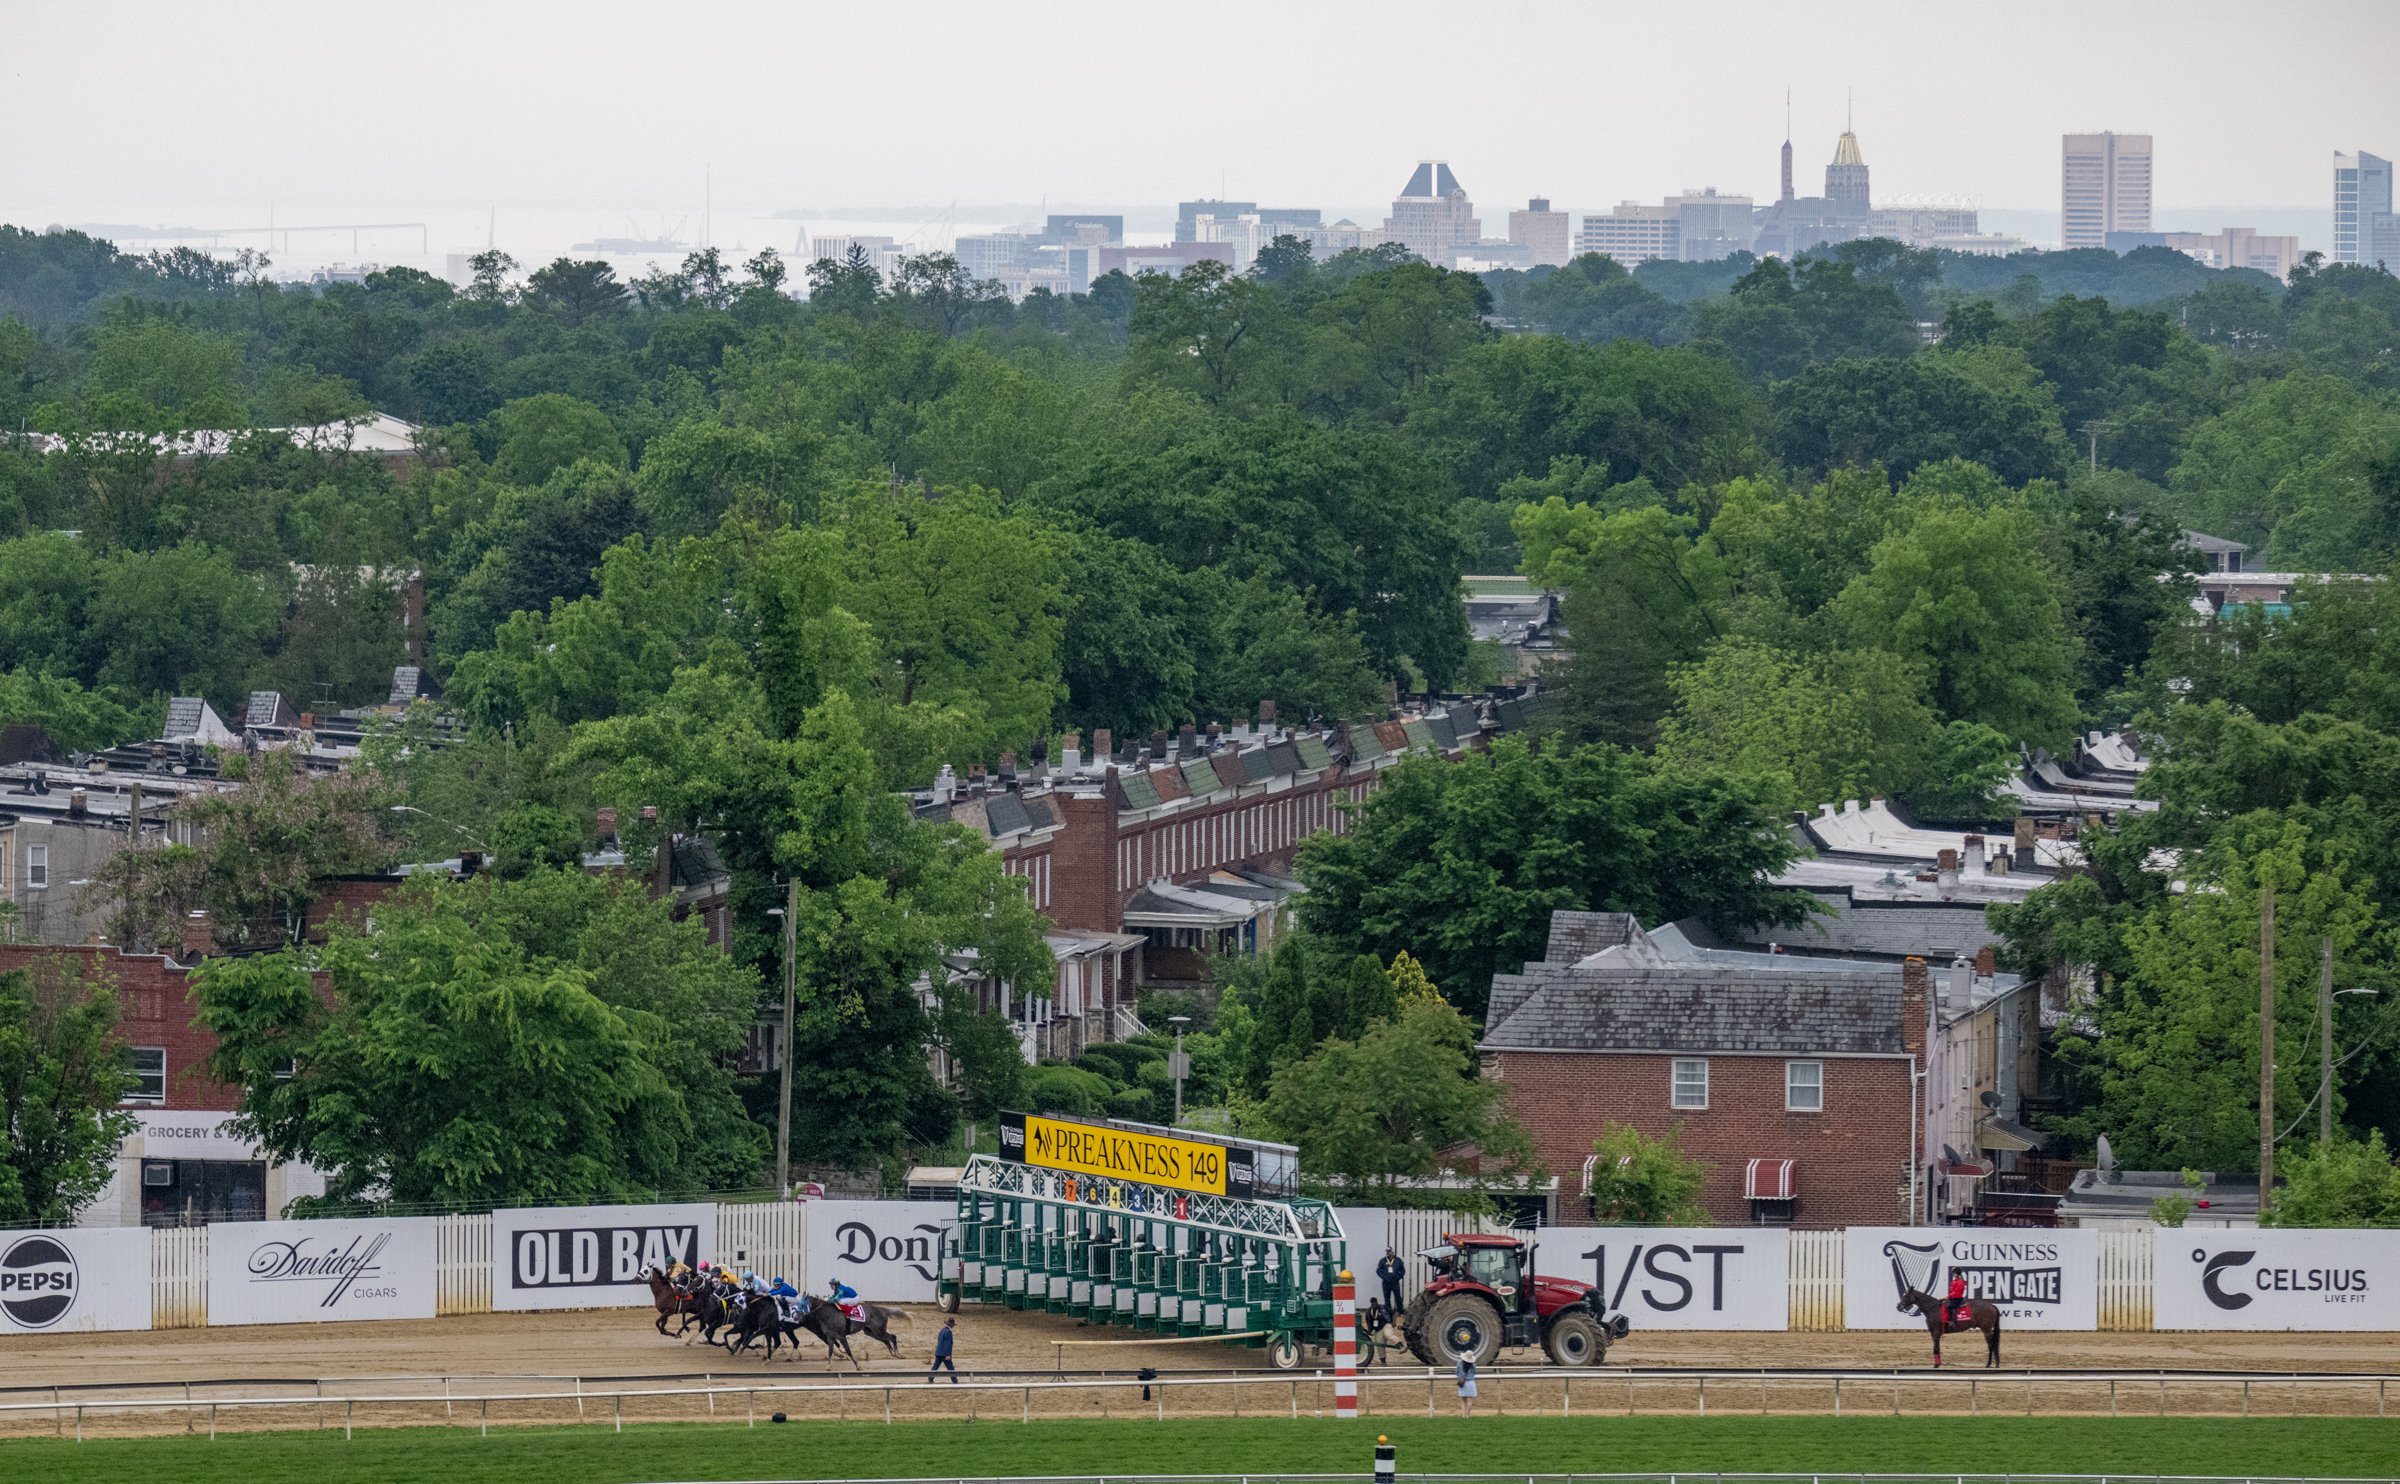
(601, 1352)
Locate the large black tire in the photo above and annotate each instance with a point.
(1462, 1326)
(946, 1300)
(1283, 1350)
(1576, 1339)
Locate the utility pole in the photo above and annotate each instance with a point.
(2266, 1042)
(2093, 430)
(790, 913)
(2325, 1049)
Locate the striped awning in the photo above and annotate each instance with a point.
(1768, 1180)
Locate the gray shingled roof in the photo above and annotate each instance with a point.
(1313, 754)
(1927, 930)
(1004, 814)
(183, 716)
(1728, 1010)
(1579, 935)
(269, 709)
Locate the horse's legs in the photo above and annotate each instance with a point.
(1936, 1328)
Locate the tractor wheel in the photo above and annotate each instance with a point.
(946, 1300)
(1284, 1351)
(1460, 1325)
(1576, 1339)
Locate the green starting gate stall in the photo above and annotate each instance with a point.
(1109, 1249)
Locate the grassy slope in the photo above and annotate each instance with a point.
(594, 1455)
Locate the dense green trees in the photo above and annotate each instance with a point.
(62, 1072)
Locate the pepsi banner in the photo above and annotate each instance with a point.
(76, 1279)
(291, 1272)
(593, 1257)
(2039, 1278)
(2268, 1279)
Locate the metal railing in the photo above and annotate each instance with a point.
(1605, 1392)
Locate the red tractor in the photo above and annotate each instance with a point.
(1484, 1295)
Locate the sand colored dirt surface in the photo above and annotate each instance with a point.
(456, 1362)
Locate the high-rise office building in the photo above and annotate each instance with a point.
(2364, 229)
(1846, 177)
(1433, 217)
(1541, 229)
(2104, 187)
(1223, 211)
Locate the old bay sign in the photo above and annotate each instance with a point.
(1116, 1152)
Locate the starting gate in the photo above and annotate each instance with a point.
(1150, 1257)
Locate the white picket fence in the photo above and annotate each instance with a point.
(1817, 1284)
(767, 1238)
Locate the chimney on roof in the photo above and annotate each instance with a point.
(197, 938)
(945, 785)
(1187, 742)
(1216, 734)
(1266, 714)
(2024, 844)
(1914, 993)
(77, 806)
(606, 821)
(1103, 742)
(308, 721)
(976, 783)
(1158, 744)
(1070, 755)
(1946, 868)
(1983, 962)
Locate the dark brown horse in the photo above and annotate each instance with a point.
(672, 1301)
(830, 1324)
(1980, 1315)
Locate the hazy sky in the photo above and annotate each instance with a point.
(137, 108)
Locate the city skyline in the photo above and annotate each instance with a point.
(452, 111)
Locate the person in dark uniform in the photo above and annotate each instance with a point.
(1391, 1270)
(941, 1353)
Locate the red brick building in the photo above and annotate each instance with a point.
(1751, 1064)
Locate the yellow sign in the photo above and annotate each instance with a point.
(1124, 1154)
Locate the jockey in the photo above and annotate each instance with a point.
(1955, 1309)
(845, 1298)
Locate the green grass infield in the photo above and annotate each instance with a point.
(2303, 1447)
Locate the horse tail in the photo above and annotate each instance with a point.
(900, 1314)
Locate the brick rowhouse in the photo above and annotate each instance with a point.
(1572, 1052)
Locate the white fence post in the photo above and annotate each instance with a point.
(178, 1277)
(462, 1265)
(1817, 1285)
(2125, 1272)
(768, 1237)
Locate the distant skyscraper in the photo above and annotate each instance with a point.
(1846, 177)
(1224, 211)
(2104, 187)
(1433, 217)
(2362, 210)
(1543, 230)
(1787, 144)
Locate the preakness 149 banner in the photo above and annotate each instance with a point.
(2039, 1278)
(2207, 1279)
(592, 1257)
(78, 1278)
(1664, 1277)
(287, 1272)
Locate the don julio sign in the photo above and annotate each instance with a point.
(1119, 1153)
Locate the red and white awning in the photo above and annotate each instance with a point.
(1768, 1180)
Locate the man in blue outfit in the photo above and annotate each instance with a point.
(941, 1353)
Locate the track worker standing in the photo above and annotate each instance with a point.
(941, 1353)
(1391, 1270)
(1466, 1386)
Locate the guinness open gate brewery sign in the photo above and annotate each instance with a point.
(2038, 1278)
(1119, 1152)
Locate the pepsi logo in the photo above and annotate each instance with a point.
(38, 1282)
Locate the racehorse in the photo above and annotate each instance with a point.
(828, 1323)
(1980, 1315)
(672, 1301)
(763, 1317)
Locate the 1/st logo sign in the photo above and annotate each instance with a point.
(597, 1256)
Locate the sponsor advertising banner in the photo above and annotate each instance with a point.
(2275, 1280)
(193, 1136)
(1665, 1277)
(291, 1272)
(2039, 1278)
(1126, 1154)
(79, 1278)
(887, 1250)
(591, 1257)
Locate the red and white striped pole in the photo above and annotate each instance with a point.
(1345, 1345)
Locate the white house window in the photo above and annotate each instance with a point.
(1691, 1084)
(150, 1069)
(1804, 1087)
(37, 865)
